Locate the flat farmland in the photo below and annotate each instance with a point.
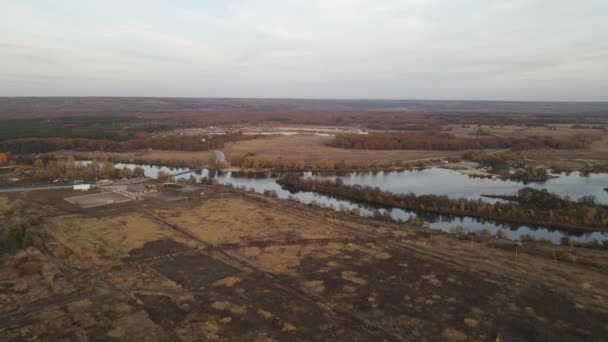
(557, 131)
(597, 153)
(311, 149)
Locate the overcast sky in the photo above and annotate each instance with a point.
(410, 49)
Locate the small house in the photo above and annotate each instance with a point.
(82, 187)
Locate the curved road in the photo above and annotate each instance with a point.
(220, 156)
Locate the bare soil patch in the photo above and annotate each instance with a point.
(95, 200)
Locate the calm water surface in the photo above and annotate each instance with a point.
(437, 181)
(428, 181)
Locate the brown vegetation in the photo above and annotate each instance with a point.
(418, 141)
(244, 267)
(279, 164)
(314, 149)
(70, 169)
(18, 221)
(445, 141)
(177, 143)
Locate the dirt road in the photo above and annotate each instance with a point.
(220, 156)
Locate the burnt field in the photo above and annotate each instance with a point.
(234, 266)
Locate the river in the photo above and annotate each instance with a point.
(436, 181)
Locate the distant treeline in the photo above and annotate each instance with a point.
(528, 206)
(393, 113)
(100, 128)
(174, 143)
(445, 141)
(578, 126)
(280, 164)
(69, 168)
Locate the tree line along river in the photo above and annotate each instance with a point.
(436, 181)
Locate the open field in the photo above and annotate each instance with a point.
(557, 131)
(598, 152)
(311, 149)
(102, 198)
(266, 128)
(235, 266)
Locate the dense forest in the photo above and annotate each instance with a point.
(527, 206)
(445, 141)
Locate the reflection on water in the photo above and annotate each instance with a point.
(429, 181)
(437, 181)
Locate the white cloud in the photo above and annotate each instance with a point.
(359, 48)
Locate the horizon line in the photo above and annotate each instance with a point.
(300, 98)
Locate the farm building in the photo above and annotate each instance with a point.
(82, 187)
(3, 158)
(136, 188)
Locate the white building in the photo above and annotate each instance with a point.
(82, 187)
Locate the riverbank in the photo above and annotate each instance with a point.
(564, 214)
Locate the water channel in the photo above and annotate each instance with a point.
(436, 181)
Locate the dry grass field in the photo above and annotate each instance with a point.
(313, 148)
(597, 153)
(208, 223)
(234, 266)
(559, 131)
(85, 242)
